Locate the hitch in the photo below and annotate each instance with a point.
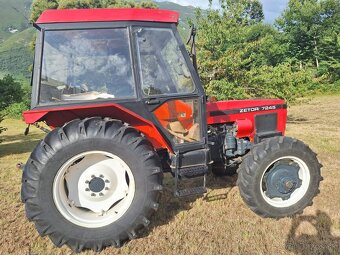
(27, 130)
(20, 166)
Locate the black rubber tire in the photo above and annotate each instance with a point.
(258, 159)
(76, 137)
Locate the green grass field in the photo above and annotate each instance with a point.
(219, 222)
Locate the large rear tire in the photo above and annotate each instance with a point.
(92, 183)
(279, 177)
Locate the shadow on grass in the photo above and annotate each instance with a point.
(170, 205)
(323, 243)
(23, 144)
(295, 120)
(218, 182)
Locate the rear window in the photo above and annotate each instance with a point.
(80, 65)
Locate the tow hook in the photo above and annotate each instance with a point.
(27, 130)
(20, 166)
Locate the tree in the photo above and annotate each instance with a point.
(10, 92)
(39, 6)
(242, 11)
(311, 28)
(234, 45)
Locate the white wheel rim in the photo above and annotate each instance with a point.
(298, 193)
(93, 189)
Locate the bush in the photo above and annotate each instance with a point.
(11, 92)
(2, 129)
(15, 110)
(280, 82)
(224, 90)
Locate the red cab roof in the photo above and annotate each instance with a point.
(102, 15)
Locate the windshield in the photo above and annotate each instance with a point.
(86, 65)
(162, 65)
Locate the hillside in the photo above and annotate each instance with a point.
(186, 13)
(12, 16)
(16, 55)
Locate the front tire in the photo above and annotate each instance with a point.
(92, 183)
(279, 177)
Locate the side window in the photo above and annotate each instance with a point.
(181, 119)
(86, 65)
(162, 65)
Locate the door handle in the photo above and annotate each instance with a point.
(153, 101)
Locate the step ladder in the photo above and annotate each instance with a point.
(192, 172)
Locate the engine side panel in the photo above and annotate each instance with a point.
(253, 117)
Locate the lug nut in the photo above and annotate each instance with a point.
(106, 188)
(101, 176)
(87, 189)
(93, 195)
(93, 176)
(107, 181)
(87, 182)
(101, 194)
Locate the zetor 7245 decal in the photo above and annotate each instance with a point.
(257, 109)
(125, 105)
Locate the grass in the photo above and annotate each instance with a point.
(219, 222)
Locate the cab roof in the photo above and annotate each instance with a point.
(107, 15)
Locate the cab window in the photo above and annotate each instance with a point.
(88, 64)
(162, 66)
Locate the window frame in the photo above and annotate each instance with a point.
(139, 63)
(79, 27)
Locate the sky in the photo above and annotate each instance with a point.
(272, 8)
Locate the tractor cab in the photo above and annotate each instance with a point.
(129, 57)
(125, 64)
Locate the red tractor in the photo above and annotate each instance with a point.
(125, 105)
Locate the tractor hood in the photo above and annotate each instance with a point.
(251, 116)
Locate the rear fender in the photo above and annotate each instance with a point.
(57, 117)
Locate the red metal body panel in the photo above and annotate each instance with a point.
(243, 113)
(57, 117)
(106, 15)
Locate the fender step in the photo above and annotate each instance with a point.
(193, 172)
(180, 174)
(190, 192)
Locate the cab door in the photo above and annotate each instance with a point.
(170, 88)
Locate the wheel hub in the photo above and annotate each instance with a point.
(282, 180)
(96, 184)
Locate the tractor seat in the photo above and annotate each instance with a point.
(176, 129)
